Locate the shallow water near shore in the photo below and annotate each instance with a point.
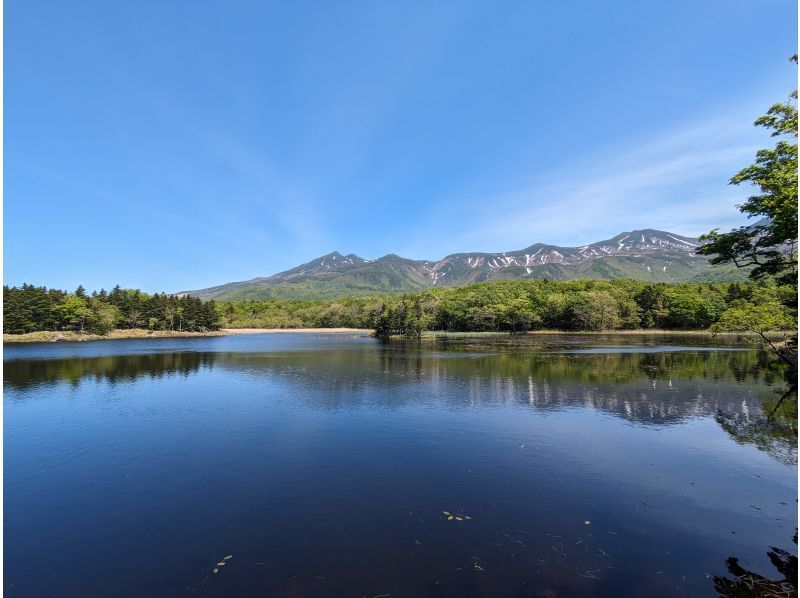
(550, 465)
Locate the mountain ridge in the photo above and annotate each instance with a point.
(645, 254)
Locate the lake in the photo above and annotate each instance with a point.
(542, 465)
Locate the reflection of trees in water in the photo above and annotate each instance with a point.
(656, 402)
(23, 374)
(775, 432)
(746, 584)
(738, 366)
(641, 387)
(611, 368)
(653, 388)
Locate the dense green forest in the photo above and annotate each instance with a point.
(31, 309)
(513, 306)
(518, 306)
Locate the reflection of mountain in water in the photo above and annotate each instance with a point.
(734, 387)
(646, 387)
(775, 432)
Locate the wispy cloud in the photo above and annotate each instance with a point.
(677, 180)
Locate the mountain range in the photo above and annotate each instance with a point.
(648, 255)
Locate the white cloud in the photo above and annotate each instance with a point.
(677, 181)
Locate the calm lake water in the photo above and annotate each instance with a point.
(572, 466)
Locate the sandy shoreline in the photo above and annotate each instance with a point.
(52, 337)
(296, 330)
(40, 337)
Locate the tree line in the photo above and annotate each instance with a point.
(30, 308)
(520, 306)
(511, 306)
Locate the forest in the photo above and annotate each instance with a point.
(519, 306)
(32, 309)
(513, 306)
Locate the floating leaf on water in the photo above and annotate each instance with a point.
(221, 564)
(459, 519)
(450, 517)
(477, 567)
(446, 513)
(588, 522)
(225, 558)
(467, 517)
(216, 570)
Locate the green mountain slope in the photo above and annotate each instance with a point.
(648, 255)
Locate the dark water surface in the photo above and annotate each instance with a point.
(578, 466)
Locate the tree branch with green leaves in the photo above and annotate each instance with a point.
(769, 247)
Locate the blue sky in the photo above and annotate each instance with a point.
(172, 145)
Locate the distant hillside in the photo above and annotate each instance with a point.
(648, 255)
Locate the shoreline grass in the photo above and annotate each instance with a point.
(68, 336)
(634, 332)
(49, 337)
